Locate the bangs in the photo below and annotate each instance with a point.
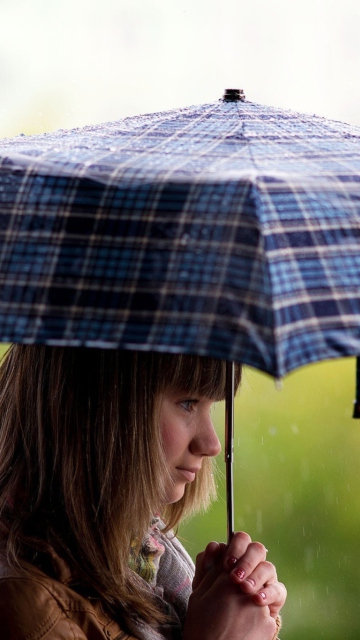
(197, 375)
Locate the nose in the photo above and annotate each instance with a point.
(205, 441)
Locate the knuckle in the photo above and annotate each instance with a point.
(259, 548)
(283, 589)
(279, 593)
(270, 567)
(242, 538)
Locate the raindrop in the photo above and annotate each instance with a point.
(259, 522)
(288, 503)
(309, 558)
(305, 469)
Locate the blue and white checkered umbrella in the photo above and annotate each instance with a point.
(229, 229)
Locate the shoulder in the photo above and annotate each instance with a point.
(34, 606)
(29, 609)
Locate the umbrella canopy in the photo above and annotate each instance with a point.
(229, 229)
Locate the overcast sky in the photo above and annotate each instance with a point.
(73, 62)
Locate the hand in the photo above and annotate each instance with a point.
(249, 569)
(228, 600)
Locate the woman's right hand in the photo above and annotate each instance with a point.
(220, 608)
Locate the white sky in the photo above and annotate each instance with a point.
(74, 62)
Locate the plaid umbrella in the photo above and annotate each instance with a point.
(229, 229)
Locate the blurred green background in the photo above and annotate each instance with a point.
(297, 490)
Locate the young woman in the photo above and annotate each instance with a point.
(102, 452)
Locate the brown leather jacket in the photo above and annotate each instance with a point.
(41, 608)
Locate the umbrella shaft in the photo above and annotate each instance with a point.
(229, 447)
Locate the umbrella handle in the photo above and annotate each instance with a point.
(229, 447)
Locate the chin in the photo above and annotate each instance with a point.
(175, 495)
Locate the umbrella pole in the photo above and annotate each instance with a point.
(229, 447)
(356, 413)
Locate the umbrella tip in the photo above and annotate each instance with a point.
(234, 95)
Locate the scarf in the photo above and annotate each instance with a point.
(168, 570)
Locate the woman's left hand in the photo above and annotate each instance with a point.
(247, 566)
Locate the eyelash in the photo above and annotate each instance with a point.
(188, 405)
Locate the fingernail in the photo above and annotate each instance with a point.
(231, 561)
(239, 573)
(262, 594)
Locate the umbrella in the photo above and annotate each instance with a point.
(228, 229)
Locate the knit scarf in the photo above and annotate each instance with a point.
(145, 562)
(168, 570)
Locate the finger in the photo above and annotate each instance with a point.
(264, 573)
(273, 595)
(203, 561)
(246, 564)
(208, 560)
(236, 549)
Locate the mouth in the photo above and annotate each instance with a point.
(188, 474)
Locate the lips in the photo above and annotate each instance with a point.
(188, 474)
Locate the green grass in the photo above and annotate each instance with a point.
(297, 489)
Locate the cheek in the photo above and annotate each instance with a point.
(174, 441)
(168, 440)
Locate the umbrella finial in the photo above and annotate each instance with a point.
(234, 95)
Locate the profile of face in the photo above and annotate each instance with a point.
(188, 435)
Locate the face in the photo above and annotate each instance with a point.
(188, 435)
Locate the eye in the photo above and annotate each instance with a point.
(188, 404)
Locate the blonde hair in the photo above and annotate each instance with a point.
(81, 461)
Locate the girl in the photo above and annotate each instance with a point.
(102, 452)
